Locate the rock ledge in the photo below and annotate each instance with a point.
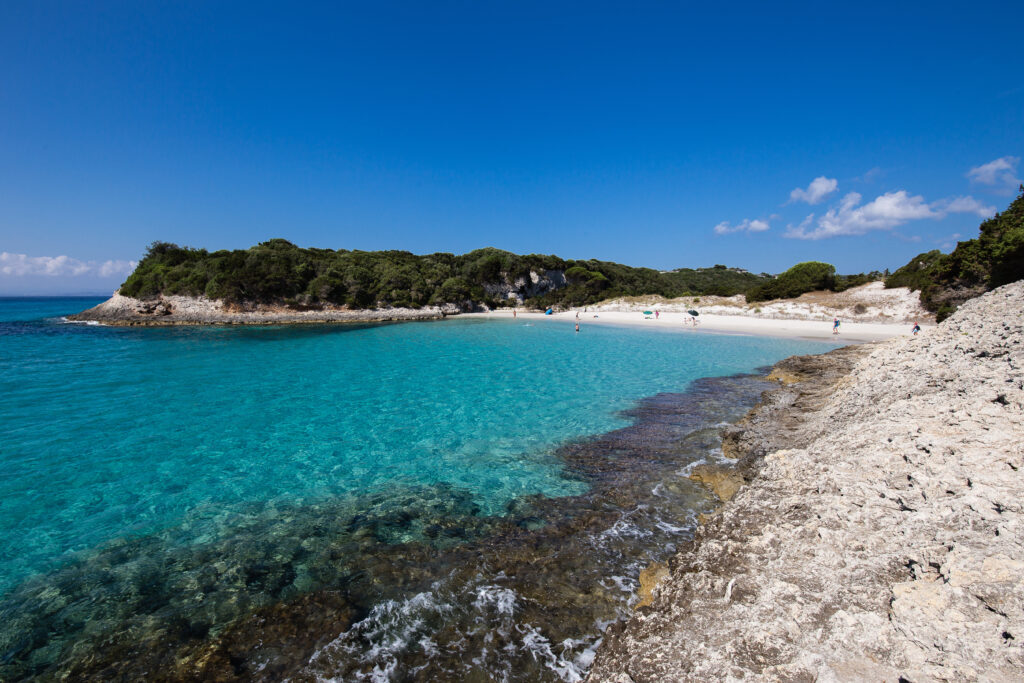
(880, 535)
(124, 311)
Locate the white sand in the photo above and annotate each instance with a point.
(721, 324)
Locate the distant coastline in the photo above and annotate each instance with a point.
(868, 312)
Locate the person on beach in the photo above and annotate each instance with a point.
(577, 317)
(656, 313)
(916, 329)
(513, 314)
(835, 326)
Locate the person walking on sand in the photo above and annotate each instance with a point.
(513, 314)
(835, 326)
(916, 329)
(656, 313)
(577, 317)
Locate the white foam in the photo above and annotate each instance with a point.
(65, 321)
(390, 628)
(539, 648)
(623, 583)
(624, 528)
(429, 646)
(585, 658)
(688, 469)
(671, 528)
(503, 600)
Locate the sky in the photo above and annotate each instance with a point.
(659, 134)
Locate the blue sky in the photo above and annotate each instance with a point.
(652, 134)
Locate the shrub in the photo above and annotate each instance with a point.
(994, 258)
(278, 271)
(803, 277)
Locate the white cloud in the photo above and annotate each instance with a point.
(999, 174)
(964, 205)
(885, 212)
(816, 192)
(108, 268)
(870, 175)
(22, 264)
(746, 225)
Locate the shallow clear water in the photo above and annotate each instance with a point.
(107, 433)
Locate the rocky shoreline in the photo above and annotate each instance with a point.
(878, 533)
(165, 311)
(348, 588)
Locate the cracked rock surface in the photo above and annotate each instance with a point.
(880, 536)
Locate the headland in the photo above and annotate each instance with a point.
(171, 310)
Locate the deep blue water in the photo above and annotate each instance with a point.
(124, 432)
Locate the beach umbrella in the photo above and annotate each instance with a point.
(693, 312)
(648, 313)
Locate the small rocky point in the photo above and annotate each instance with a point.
(878, 536)
(169, 310)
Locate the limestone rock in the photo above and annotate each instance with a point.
(723, 481)
(880, 536)
(649, 580)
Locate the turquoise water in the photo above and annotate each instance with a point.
(124, 432)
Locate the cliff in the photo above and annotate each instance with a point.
(879, 536)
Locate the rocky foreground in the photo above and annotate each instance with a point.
(880, 535)
(168, 310)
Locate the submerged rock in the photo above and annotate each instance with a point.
(415, 580)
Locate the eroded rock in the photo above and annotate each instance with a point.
(880, 537)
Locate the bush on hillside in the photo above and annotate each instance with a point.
(994, 258)
(801, 278)
(278, 271)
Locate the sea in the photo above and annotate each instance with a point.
(466, 499)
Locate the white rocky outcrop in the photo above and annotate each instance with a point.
(199, 310)
(887, 544)
(522, 288)
(870, 302)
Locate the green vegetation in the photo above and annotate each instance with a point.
(277, 271)
(809, 276)
(803, 277)
(280, 272)
(918, 273)
(994, 258)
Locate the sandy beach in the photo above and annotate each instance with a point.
(850, 332)
(867, 313)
